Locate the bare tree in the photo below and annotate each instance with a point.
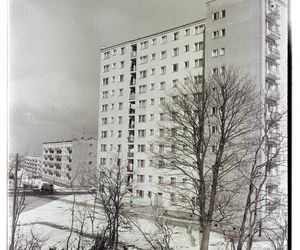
(205, 121)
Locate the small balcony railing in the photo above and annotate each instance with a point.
(273, 34)
(272, 73)
(131, 125)
(273, 95)
(131, 139)
(132, 82)
(273, 13)
(133, 53)
(273, 53)
(130, 154)
(131, 96)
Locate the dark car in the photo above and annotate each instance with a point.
(47, 188)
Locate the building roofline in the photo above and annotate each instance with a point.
(48, 142)
(151, 35)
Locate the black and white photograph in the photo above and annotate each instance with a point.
(148, 125)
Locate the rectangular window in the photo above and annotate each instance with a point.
(215, 16)
(141, 163)
(142, 104)
(164, 39)
(215, 34)
(105, 94)
(214, 53)
(105, 81)
(105, 68)
(140, 178)
(114, 52)
(121, 92)
(120, 119)
(222, 32)
(102, 161)
(143, 59)
(141, 148)
(214, 110)
(186, 48)
(199, 29)
(104, 121)
(222, 70)
(175, 83)
(175, 51)
(142, 88)
(215, 71)
(162, 85)
(122, 51)
(153, 56)
(150, 178)
(186, 64)
(104, 107)
(160, 180)
(173, 181)
(162, 100)
(151, 117)
(122, 64)
(163, 70)
(222, 13)
(144, 45)
(214, 129)
(113, 66)
(142, 118)
(103, 147)
(119, 133)
(120, 105)
(187, 32)
(153, 71)
(121, 78)
(161, 132)
(151, 131)
(162, 116)
(106, 55)
(198, 46)
(141, 133)
(143, 74)
(175, 67)
(176, 36)
(152, 101)
(163, 54)
(103, 134)
(222, 51)
(152, 86)
(139, 193)
(198, 63)
(153, 41)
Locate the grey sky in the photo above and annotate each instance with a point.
(54, 60)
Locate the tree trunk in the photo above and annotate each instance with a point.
(205, 236)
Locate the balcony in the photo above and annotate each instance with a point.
(274, 137)
(130, 139)
(133, 54)
(273, 34)
(273, 95)
(131, 111)
(132, 82)
(273, 13)
(130, 168)
(272, 73)
(130, 154)
(131, 125)
(273, 53)
(133, 67)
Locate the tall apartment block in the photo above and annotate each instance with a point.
(33, 165)
(65, 162)
(137, 74)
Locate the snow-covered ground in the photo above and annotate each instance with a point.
(52, 220)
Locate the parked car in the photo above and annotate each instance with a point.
(46, 187)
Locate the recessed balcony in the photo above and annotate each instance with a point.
(131, 96)
(273, 13)
(273, 95)
(273, 34)
(273, 53)
(272, 73)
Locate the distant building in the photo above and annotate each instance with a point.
(33, 165)
(65, 162)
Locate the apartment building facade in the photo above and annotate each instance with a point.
(33, 166)
(136, 76)
(65, 162)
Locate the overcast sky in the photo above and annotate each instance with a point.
(54, 48)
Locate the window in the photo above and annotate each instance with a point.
(122, 64)
(104, 94)
(186, 64)
(175, 67)
(105, 81)
(104, 121)
(172, 197)
(162, 100)
(222, 51)
(223, 13)
(122, 51)
(187, 32)
(163, 70)
(175, 51)
(198, 63)
(163, 54)
(175, 83)
(103, 147)
(103, 134)
(215, 34)
(150, 178)
(142, 118)
(199, 29)
(222, 70)
(215, 16)
(164, 39)
(104, 107)
(153, 71)
(112, 92)
(214, 129)
(106, 55)
(140, 178)
(142, 88)
(173, 181)
(151, 131)
(121, 78)
(141, 148)
(105, 68)
(120, 119)
(143, 74)
(152, 101)
(121, 92)
(141, 133)
(162, 116)
(139, 193)
(113, 66)
(111, 120)
(151, 149)
(215, 71)
(113, 79)
(114, 52)
(120, 105)
(119, 133)
(142, 104)
(144, 45)
(186, 80)
(186, 48)
(112, 106)
(222, 32)
(161, 132)
(214, 53)
(198, 46)
(141, 163)
(152, 86)
(153, 41)
(176, 36)
(160, 180)
(214, 110)
(162, 85)
(143, 59)
(102, 161)
(151, 117)
(153, 56)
